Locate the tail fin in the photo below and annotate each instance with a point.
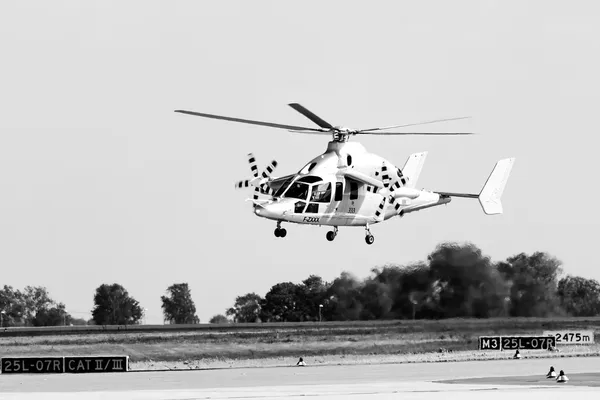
(412, 168)
(489, 197)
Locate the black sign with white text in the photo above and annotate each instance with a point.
(90, 364)
(32, 365)
(516, 342)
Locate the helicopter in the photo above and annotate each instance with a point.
(348, 186)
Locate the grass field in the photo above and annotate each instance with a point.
(265, 341)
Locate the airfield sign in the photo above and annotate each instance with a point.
(542, 342)
(572, 337)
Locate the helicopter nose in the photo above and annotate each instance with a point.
(259, 210)
(271, 210)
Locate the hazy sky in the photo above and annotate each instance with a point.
(101, 182)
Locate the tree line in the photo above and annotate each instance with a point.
(456, 280)
(112, 306)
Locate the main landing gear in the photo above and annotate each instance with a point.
(369, 238)
(279, 231)
(332, 234)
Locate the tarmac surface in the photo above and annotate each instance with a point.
(463, 380)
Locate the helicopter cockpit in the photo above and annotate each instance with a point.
(300, 189)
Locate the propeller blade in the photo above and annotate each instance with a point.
(414, 124)
(242, 184)
(269, 170)
(247, 121)
(380, 208)
(385, 179)
(265, 189)
(310, 115)
(384, 176)
(387, 191)
(253, 166)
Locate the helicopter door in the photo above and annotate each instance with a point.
(338, 196)
(352, 198)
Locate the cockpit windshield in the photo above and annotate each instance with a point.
(297, 190)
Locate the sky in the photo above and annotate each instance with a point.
(101, 182)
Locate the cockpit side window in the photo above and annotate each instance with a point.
(299, 207)
(321, 193)
(297, 190)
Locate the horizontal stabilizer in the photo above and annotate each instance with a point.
(492, 190)
(489, 198)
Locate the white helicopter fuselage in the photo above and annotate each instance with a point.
(324, 192)
(347, 185)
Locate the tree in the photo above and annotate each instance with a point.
(53, 316)
(37, 300)
(344, 297)
(219, 319)
(11, 303)
(466, 282)
(283, 303)
(247, 308)
(310, 295)
(579, 297)
(532, 282)
(33, 306)
(114, 306)
(178, 307)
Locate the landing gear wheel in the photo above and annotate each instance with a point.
(369, 239)
(330, 235)
(280, 232)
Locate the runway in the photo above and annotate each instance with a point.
(464, 380)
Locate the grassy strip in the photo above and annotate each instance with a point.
(344, 359)
(395, 338)
(449, 325)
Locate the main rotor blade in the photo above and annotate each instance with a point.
(310, 115)
(416, 133)
(415, 124)
(312, 132)
(248, 121)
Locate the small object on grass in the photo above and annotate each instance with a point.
(551, 373)
(562, 378)
(301, 362)
(517, 355)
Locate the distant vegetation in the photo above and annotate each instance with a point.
(455, 281)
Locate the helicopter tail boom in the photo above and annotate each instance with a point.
(490, 194)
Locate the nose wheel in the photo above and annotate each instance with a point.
(332, 234)
(279, 231)
(369, 237)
